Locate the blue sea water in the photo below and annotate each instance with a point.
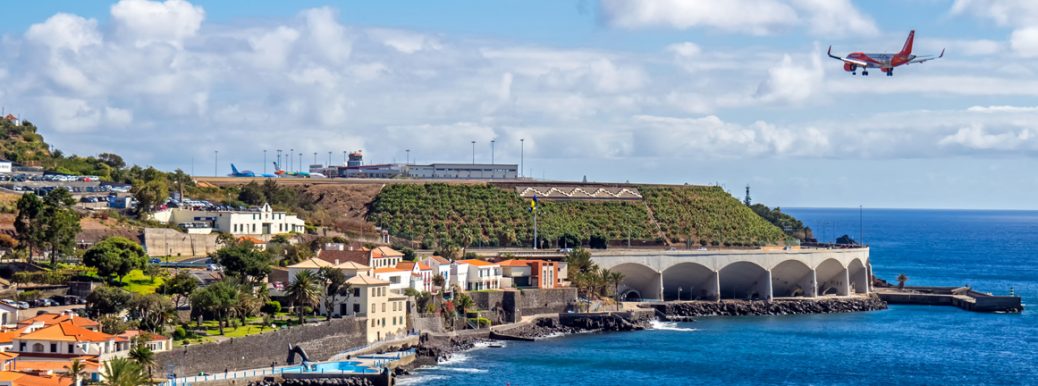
(913, 345)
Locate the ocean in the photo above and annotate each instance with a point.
(993, 251)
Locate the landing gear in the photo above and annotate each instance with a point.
(890, 72)
(864, 73)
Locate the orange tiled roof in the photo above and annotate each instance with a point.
(405, 265)
(66, 332)
(150, 336)
(385, 252)
(57, 366)
(8, 336)
(252, 240)
(515, 263)
(332, 255)
(478, 263)
(390, 269)
(423, 267)
(49, 319)
(7, 355)
(440, 259)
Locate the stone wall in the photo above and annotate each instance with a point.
(320, 342)
(169, 242)
(546, 301)
(496, 307)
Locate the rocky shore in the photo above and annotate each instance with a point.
(681, 311)
(573, 324)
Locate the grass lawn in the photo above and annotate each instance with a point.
(137, 282)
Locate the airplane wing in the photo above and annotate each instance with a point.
(926, 58)
(847, 60)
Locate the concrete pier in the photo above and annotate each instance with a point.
(962, 297)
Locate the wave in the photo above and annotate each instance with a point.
(419, 379)
(669, 326)
(465, 370)
(455, 358)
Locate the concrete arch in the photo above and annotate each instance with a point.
(792, 278)
(831, 276)
(639, 280)
(696, 282)
(744, 280)
(858, 276)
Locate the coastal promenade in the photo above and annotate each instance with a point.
(738, 274)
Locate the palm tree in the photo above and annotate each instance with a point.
(335, 285)
(142, 355)
(304, 291)
(123, 372)
(463, 303)
(615, 277)
(901, 279)
(77, 371)
(438, 281)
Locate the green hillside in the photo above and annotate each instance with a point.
(22, 144)
(709, 216)
(438, 214)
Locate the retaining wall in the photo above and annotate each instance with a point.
(320, 342)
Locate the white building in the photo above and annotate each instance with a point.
(464, 171)
(371, 298)
(482, 275)
(260, 221)
(440, 266)
(383, 257)
(8, 315)
(459, 274)
(6, 166)
(399, 279)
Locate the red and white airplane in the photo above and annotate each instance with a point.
(884, 62)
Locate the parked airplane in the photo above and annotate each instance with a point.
(248, 173)
(243, 173)
(884, 62)
(282, 173)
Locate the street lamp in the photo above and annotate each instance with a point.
(473, 152)
(522, 149)
(492, 151)
(216, 160)
(289, 158)
(408, 160)
(679, 293)
(264, 161)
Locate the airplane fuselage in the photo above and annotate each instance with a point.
(884, 61)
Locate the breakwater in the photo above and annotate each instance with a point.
(962, 297)
(685, 310)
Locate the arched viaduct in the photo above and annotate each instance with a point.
(756, 274)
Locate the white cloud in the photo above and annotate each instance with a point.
(750, 16)
(976, 137)
(791, 81)
(146, 22)
(684, 49)
(1014, 13)
(1025, 41)
(836, 17)
(65, 31)
(405, 41)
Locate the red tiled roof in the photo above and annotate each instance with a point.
(331, 255)
(66, 332)
(385, 252)
(49, 319)
(478, 263)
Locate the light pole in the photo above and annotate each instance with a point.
(408, 160)
(264, 161)
(492, 151)
(216, 160)
(278, 164)
(299, 166)
(315, 158)
(522, 149)
(679, 293)
(344, 158)
(329, 159)
(473, 152)
(289, 158)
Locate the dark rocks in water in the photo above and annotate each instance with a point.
(681, 311)
(315, 382)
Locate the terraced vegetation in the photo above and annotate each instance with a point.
(439, 214)
(707, 215)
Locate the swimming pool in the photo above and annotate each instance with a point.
(331, 367)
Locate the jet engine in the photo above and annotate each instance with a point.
(849, 66)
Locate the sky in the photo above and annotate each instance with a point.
(732, 93)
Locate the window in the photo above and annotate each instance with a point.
(356, 308)
(373, 309)
(71, 348)
(356, 292)
(37, 347)
(383, 307)
(53, 347)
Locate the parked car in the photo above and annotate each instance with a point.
(23, 305)
(9, 302)
(59, 300)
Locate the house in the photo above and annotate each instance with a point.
(459, 274)
(371, 298)
(399, 279)
(11, 378)
(530, 273)
(258, 244)
(440, 266)
(258, 221)
(49, 319)
(482, 275)
(421, 275)
(385, 257)
(8, 314)
(63, 340)
(6, 167)
(312, 264)
(157, 343)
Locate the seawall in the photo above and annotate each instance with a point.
(320, 341)
(683, 310)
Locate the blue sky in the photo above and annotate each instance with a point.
(737, 92)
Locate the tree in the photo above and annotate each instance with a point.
(113, 160)
(59, 223)
(616, 278)
(114, 257)
(247, 305)
(179, 287)
(107, 300)
(252, 194)
(304, 290)
(901, 279)
(7, 242)
(242, 260)
(76, 370)
(142, 355)
(26, 224)
(216, 300)
(152, 312)
(438, 281)
(335, 285)
(464, 303)
(124, 372)
(149, 193)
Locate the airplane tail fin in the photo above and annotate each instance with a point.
(907, 49)
(234, 169)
